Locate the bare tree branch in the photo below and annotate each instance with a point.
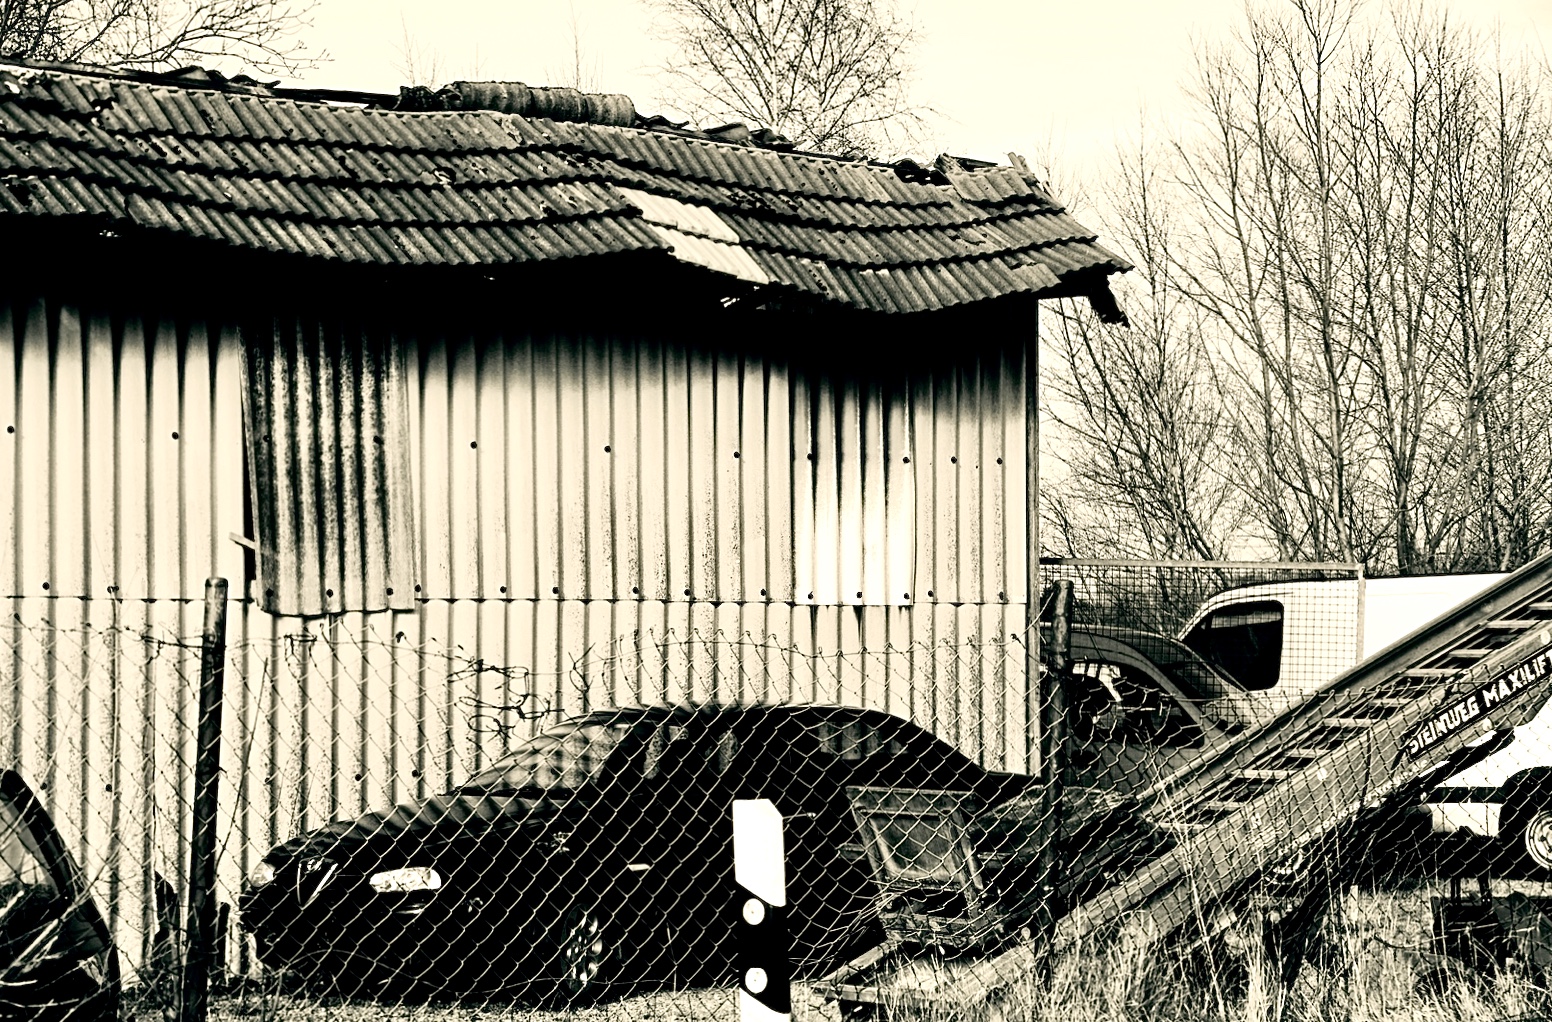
(158, 34)
(830, 75)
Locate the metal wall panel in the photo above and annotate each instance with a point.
(329, 446)
(557, 467)
(568, 492)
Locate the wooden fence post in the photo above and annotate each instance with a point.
(194, 1003)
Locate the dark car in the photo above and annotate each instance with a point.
(1140, 707)
(599, 853)
(57, 961)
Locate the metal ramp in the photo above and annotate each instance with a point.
(1427, 707)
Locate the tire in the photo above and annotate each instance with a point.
(1534, 836)
(1526, 831)
(589, 954)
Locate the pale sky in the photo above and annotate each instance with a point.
(1064, 77)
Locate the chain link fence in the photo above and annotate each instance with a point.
(402, 824)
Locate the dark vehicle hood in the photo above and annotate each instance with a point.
(425, 826)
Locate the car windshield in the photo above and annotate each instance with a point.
(561, 759)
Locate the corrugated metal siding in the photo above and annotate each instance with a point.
(601, 521)
(632, 468)
(329, 445)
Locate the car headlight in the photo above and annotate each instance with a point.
(404, 879)
(261, 874)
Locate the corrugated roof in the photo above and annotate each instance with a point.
(371, 185)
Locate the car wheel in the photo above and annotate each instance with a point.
(1533, 834)
(589, 953)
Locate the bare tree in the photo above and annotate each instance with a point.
(1361, 219)
(156, 34)
(1136, 410)
(580, 70)
(830, 75)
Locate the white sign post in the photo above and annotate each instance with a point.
(760, 871)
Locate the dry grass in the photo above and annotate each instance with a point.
(1365, 966)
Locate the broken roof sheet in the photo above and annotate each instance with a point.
(363, 184)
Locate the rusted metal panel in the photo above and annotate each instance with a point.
(329, 444)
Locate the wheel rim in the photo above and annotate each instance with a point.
(584, 950)
(1538, 838)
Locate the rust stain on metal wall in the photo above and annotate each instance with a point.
(328, 441)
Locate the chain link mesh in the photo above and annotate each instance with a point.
(404, 824)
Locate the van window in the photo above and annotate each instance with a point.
(1245, 640)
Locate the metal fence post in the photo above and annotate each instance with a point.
(1053, 726)
(194, 1003)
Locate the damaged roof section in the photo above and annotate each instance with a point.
(489, 174)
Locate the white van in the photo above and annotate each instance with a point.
(1286, 641)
